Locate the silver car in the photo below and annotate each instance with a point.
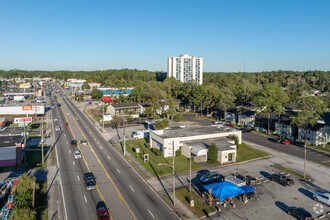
(55, 119)
(57, 128)
(322, 197)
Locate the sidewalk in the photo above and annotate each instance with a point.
(153, 181)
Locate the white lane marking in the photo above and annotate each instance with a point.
(151, 214)
(67, 142)
(101, 147)
(73, 163)
(118, 170)
(90, 132)
(131, 188)
(85, 199)
(64, 135)
(108, 157)
(70, 151)
(78, 178)
(95, 139)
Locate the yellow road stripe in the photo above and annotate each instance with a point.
(106, 172)
(102, 197)
(326, 161)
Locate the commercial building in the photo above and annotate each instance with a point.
(195, 141)
(186, 68)
(133, 109)
(22, 110)
(114, 92)
(11, 143)
(25, 85)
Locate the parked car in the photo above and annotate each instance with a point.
(230, 125)
(90, 181)
(102, 212)
(217, 122)
(56, 119)
(57, 128)
(286, 142)
(73, 143)
(77, 154)
(66, 124)
(211, 177)
(282, 179)
(84, 142)
(299, 213)
(322, 197)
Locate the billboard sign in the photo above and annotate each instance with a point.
(21, 120)
(27, 107)
(36, 93)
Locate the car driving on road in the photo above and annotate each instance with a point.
(83, 142)
(90, 181)
(77, 154)
(66, 124)
(102, 211)
(56, 119)
(57, 128)
(73, 143)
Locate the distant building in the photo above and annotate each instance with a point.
(11, 152)
(133, 109)
(25, 85)
(185, 68)
(115, 92)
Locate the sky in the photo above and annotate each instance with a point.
(231, 36)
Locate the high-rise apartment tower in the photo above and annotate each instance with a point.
(186, 68)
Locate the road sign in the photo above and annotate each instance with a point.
(27, 107)
(21, 120)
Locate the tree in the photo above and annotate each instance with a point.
(148, 112)
(22, 213)
(85, 85)
(309, 110)
(25, 184)
(227, 99)
(212, 153)
(97, 94)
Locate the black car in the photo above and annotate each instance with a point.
(282, 179)
(299, 213)
(73, 143)
(90, 181)
(58, 104)
(211, 177)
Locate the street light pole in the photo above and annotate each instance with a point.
(42, 140)
(190, 169)
(124, 120)
(103, 117)
(173, 174)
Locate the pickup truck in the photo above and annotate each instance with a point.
(140, 134)
(282, 179)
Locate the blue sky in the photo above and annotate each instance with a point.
(231, 35)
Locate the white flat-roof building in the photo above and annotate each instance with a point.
(196, 139)
(185, 68)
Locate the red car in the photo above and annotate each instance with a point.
(229, 125)
(102, 211)
(66, 124)
(286, 142)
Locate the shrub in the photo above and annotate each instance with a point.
(178, 153)
(178, 117)
(147, 145)
(161, 124)
(156, 117)
(233, 137)
(157, 152)
(212, 153)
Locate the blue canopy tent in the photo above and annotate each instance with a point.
(223, 190)
(247, 189)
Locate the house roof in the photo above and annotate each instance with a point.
(10, 141)
(126, 105)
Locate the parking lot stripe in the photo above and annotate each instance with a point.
(108, 157)
(118, 170)
(85, 199)
(151, 214)
(78, 178)
(131, 188)
(325, 161)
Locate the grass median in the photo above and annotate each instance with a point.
(245, 153)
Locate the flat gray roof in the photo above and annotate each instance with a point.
(194, 131)
(222, 144)
(10, 141)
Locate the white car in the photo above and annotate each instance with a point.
(83, 142)
(77, 154)
(322, 197)
(57, 128)
(56, 119)
(217, 122)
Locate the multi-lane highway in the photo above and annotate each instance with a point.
(126, 193)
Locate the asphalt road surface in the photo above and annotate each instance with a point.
(292, 149)
(126, 194)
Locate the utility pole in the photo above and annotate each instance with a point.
(25, 152)
(190, 169)
(33, 194)
(173, 175)
(103, 116)
(124, 120)
(42, 140)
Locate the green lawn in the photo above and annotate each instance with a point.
(200, 209)
(248, 153)
(42, 202)
(326, 148)
(181, 162)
